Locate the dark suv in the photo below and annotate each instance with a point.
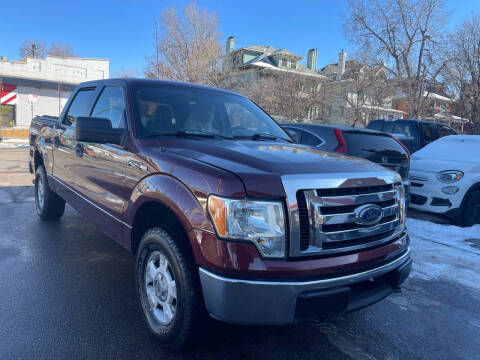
(414, 134)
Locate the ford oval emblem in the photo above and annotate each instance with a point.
(368, 214)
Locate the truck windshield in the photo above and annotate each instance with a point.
(177, 110)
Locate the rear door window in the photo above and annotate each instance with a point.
(429, 133)
(404, 129)
(79, 106)
(375, 125)
(388, 127)
(444, 130)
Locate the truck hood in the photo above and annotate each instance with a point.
(260, 164)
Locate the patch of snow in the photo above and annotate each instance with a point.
(443, 252)
(435, 96)
(14, 143)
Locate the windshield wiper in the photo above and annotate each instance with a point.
(202, 133)
(194, 133)
(259, 136)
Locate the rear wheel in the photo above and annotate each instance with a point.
(471, 209)
(49, 205)
(168, 289)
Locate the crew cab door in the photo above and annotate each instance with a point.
(100, 168)
(64, 142)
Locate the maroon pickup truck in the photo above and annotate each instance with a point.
(227, 217)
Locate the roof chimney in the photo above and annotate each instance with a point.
(342, 57)
(312, 59)
(230, 45)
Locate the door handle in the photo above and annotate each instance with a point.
(79, 149)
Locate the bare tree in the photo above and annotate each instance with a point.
(298, 97)
(291, 96)
(61, 49)
(33, 48)
(407, 33)
(125, 73)
(463, 74)
(366, 89)
(187, 46)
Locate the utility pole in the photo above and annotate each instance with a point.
(59, 97)
(156, 50)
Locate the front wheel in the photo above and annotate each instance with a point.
(471, 209)
(49, 205)
(168, 289)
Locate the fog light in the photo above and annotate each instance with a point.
(450, 190)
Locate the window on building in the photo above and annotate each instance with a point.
(283, 62)
(79, 106)
(293, 64)
(7, 115)
(111, 105)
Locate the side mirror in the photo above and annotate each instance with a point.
(97, 130)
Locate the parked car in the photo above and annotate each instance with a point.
(414, 134)
(378, 147)
(220, 207)
(445, 178)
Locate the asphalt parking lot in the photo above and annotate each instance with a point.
(66, 291)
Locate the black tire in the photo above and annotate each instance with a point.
(189, 318)
(49, 205)
(471, 209)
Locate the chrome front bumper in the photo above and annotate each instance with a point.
(285, 302)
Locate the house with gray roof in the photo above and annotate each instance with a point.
(259, 57)
(336, 81)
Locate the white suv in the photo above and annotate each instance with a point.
(445, 178)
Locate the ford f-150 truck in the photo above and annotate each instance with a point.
(227, 217)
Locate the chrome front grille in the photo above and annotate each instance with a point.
(324, 218)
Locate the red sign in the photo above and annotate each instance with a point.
(8, 94)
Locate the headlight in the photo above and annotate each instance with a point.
(260, 222)
(401, 203)
(449, 176)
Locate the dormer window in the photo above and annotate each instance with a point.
(283, 62)
(293, 64)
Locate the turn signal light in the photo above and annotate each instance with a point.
(216, 207)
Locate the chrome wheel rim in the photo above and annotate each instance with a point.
(161, 289)
(40, 192)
